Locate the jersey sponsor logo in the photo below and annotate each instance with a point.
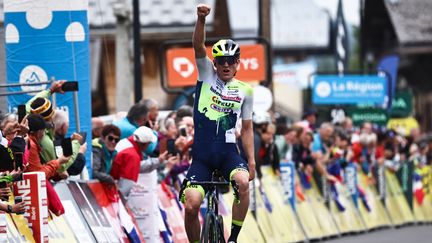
(232, 92)
(222, 103)
(220, 109)
(219, 84)
(224, 97)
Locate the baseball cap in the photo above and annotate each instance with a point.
(144, 134)
(36, 122)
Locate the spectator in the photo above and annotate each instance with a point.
(321, 148)
(285, 143)
(188, 123)
(6, 155)
(97, 125)
(153, 112)
(323, 138)
(182, 111)
(37, 126)
(309, 118)
(9, 125)
(15, 143)
(347, 125)
(168, 134)
(302, 154)
(61, 126)
(104, 153)
(268, 151)
(40, 104)
(186, 131)
(130, 160)
(260, 121)
(136, 117)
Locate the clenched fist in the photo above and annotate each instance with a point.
(202, 11)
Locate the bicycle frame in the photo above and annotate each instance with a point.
(213, 231)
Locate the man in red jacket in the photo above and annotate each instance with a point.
(130, 161)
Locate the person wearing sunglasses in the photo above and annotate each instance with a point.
(220, 101)
(104, 153)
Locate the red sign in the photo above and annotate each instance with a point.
(181, 68)
(32, 189)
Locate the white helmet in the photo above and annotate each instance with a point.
(261, 117)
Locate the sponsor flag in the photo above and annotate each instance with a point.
(389, 66)
(128, 225)
(342, 43)
(418, 188)
(287, 170)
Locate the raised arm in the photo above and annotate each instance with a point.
(198, 37)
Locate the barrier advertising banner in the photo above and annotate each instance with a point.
(18, 229)
(32, 189)
(101, 232)
(349, 89)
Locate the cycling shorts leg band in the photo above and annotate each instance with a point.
(237, 170)
(192, 187)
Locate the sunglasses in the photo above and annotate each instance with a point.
(113, 139)
(230, 60)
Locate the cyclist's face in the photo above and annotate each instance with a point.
(226, 69)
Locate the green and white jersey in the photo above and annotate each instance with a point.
(219, 105)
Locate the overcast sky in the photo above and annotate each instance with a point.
(351, 9)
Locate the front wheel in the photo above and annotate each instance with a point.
(210, 231)
(221, 229)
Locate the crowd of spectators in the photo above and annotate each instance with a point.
(327, 149)
(142, 142)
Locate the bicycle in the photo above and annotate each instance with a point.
(213, 229)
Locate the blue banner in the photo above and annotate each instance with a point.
(389, 65)
(287, 171)
(46, 40)
(351, 182)
(349, 89)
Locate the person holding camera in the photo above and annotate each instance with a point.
(132, 159)
(16, 208)
(61, 126)
(37, 126)
(41, 105)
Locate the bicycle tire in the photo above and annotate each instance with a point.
(210, 232)
(221, 229)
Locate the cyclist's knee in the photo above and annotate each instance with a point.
(193, 202)
(242, 181)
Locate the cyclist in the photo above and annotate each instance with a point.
(220, 100)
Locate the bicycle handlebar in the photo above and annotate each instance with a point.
(210, 183)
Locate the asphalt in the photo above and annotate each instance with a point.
(405, 234)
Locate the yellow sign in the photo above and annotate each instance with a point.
(403, 125)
